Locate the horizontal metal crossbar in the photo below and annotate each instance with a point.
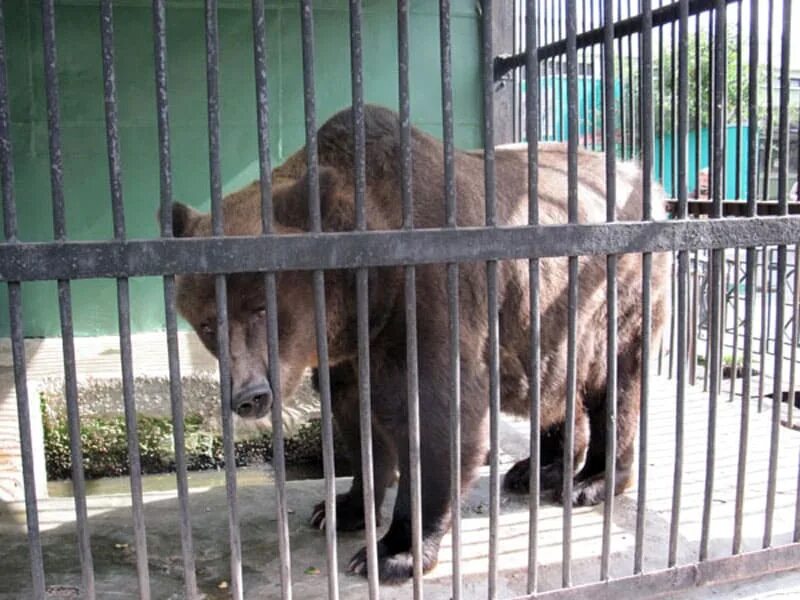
(35, 261)
(658, 584)
(623, 28)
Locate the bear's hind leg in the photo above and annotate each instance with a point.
(350, 505)
(395, 557)
(551, 449)
(590, 484)
(551, 472)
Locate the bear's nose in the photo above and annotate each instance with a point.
(254, 401)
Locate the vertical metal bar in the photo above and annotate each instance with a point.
(320, 318)
(278, 445)
(414, 437)
(220, 288)
(273, 354)
(123, 297)
(594, 99)
(674, 185)
(531, 108)
(412, 370)
(765, 266)
(661, 124)
(673, 291)
(673, 151)
(24, 421)
(631, 116)
(698, 112)
(545, 38)
(556, 110)
(6, 150)
(723, 304)
(126, 355)
(112, 128)
(65, 304)
(707, 291)
(749, 292)
(783, 193)
(611, 331)
(453, 291)
(603, 109)
(621, 59)
(491, 284)
(735, 355)
(763, 333)
(262, 115)
(795, 314)
(357, 93)
(718, 184)
(746, 392)
(646, 107)
(794, 337)
(796, 306)
(683, 275)
(515, 76)
(561, 119)
(769, 115)
(695, 298)
(212, 91)
(677, 477)
(712, 62)
(711, 272)
(572, 334)
(17, 336)
(365, 412)
(795, 343)
(76, 456)
(583, 114)
(53, 118)
(738, 186)
(694, 331)
(176, 395)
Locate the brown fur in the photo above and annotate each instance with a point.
(387, 321)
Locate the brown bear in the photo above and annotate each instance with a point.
(251, 391)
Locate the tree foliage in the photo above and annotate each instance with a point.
(737, 85)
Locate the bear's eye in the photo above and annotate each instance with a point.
(260, 313)
(207, 329)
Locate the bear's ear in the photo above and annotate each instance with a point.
(182, 219)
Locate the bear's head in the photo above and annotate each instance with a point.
(197, 296)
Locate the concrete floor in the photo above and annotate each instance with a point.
(112, 535)
(112, 539)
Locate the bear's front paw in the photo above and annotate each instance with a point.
(349, 514)
(518, 478)
(395, 568)
(586, 492)
(592, 490)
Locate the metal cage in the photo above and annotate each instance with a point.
(601, 83)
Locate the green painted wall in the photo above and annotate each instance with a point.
(88, 205)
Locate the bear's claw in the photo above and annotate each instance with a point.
(392, 568)
(349, 514)
(318, 516)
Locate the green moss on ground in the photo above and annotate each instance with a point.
(104, 444)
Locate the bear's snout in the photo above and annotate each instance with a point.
(254, 401)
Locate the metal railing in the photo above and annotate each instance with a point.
(552, 49)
